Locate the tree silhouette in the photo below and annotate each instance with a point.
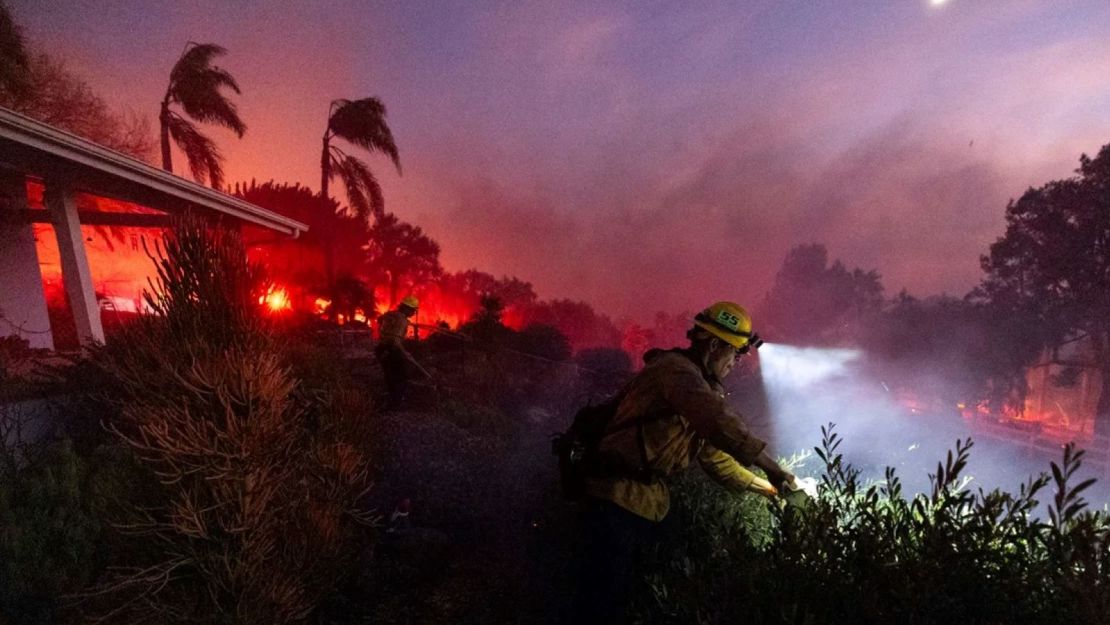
(362, 123)
(582, 325)
(43, 88)
(959, 350)
(491, 308)
(485, 326)
(58, 97)
(400, 255)
(813, 302)
(464, 290)
(1053, 265)
(336, 236)
(348, 294)
(195, 86)
(14, 60)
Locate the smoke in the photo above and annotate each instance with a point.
(798, 367)
(809, 387)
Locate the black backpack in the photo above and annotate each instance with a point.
(577, 448)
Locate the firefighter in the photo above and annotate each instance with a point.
(391, 353)
(672, 412)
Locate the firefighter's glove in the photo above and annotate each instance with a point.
(763, 487)
(784, 482)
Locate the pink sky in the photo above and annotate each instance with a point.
(651, 156)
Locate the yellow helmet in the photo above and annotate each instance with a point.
(411, 302)
(730, 323)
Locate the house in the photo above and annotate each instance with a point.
(57, 185)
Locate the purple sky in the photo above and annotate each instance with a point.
(651, 155)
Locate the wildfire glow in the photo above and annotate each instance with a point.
(276, 299)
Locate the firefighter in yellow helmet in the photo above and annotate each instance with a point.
(671, 413)
(391, 353)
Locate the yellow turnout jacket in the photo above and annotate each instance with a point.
(682, 416)
(392, 327)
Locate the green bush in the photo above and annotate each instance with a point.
(867, 553)
(54, 539)
(48, 534)
(542, 341)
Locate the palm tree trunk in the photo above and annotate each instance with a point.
(164, 118)
(325, 168)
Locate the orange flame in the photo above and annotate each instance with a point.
(276, 299)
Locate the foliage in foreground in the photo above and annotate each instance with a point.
(261, 477)
(867, 553)
(48, 530)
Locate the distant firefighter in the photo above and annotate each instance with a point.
(391, 353)
(671, 413)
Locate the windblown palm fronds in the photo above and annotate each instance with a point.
(195, 86)
(204, 157)
(361, 123)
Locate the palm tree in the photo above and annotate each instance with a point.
(195, 85)
(362, 123)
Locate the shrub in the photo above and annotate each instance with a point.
(53, 501)
(605, 369)
(543, 341)
(261, 477)
(48, 536)
(491, 376)
(867, 553)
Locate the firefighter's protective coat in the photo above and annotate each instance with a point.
(392, 328)
(685, 417)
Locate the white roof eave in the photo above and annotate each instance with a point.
(67, 146)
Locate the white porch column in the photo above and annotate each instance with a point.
(22, 301)
(61, 200)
